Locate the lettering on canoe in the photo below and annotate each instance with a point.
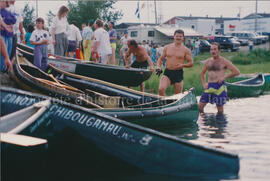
(79, 118)
(18, 100)
(69, 67)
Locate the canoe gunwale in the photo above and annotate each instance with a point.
(238, 83)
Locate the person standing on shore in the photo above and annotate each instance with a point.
(87, 33)
(59, 32)
(101, 43)
(176, 54)
(215, 90)
(40, 38)
(113, 38)
(74, 39)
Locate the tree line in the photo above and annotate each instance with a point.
(80, 12)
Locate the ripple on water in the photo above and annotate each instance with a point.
(244, 130)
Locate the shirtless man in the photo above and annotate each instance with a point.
(176, 54)
(142, 58)
(215, 90)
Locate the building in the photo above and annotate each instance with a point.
(248, 24)
(159, 34)
(203, 25)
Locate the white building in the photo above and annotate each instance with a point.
(248, 24)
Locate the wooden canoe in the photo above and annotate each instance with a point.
(158, 112)
(148, 150)
(110, 73)
(246, 88)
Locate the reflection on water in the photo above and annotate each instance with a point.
(244, 130)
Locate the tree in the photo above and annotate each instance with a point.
(82, 11)
(50, 16)
(29, 17)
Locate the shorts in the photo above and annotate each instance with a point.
(113, 45)
(71, 46)
(139, 65)
(216, 93)
(175, 76)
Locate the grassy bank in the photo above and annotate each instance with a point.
(192, 75)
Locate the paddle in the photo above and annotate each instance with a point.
(21, 140)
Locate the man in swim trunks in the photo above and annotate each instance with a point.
(142, 58)
(215, 90)
(176, 54)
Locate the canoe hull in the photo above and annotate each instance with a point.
(148, 150)
(115, 74)
(246, 88)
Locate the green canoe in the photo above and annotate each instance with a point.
(161, 112)
(248, 76)
(246, 88)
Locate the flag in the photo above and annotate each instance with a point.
(138, 8)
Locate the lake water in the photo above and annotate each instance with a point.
(244, 130)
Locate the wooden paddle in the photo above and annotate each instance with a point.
(21, 140)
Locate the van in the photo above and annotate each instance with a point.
(246, 35)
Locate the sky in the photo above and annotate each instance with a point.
(167, 9)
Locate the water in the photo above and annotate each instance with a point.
(244, 130)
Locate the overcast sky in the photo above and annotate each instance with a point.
(168, 9)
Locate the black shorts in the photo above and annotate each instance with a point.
(139, 65)
(175, 76)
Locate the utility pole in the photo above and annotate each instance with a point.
(256, 11)
(155, 11)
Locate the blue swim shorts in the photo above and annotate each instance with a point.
(216, 93)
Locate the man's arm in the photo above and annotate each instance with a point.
(161, 58)
(3, 52)
(234, 70)
(188, 57)
(128, 53)
(202, 75)
(149, 61)
(22, 36)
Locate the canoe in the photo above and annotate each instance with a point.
(128, 97)
(148, 150)
(110, 73)
(246, 88)
(21, 154)
(248, 76)
(158, 112)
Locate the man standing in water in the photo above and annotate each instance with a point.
(215, 90)
(176, 54)
(142, 58)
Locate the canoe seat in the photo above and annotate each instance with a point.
(104, 100)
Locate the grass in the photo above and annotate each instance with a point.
(258, 61)
(192, 75)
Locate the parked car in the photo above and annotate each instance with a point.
(204, 46)
(226, 42)
(247, 36)
(263, 37)
(242, 42)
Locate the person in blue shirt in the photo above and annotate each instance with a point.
(30, 29)
(9, 19)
